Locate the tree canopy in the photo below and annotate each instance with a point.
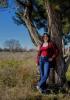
(39, 15)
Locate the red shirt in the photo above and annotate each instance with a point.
(49, 51)
(44, 51)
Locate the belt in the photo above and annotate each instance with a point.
(45, 56)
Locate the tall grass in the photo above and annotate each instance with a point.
(18, 78)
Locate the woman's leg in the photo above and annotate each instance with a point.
(45, 76)
(41, 67)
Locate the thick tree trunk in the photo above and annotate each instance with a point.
(55, 29)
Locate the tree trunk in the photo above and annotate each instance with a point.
(55, 28)
(35, 37)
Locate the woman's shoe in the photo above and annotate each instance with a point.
(39, 89)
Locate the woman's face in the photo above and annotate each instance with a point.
(45, 38)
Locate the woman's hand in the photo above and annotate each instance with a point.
(38, 48)
(36, 64)
(50, 59)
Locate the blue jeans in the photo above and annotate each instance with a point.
(44, 71)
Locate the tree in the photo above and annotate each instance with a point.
(3, 3)
(12, 45)
(54, 14)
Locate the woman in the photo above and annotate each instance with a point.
(47, 52)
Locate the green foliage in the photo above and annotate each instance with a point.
(40, 2)
(63, 6)
(39, 15)
(66, 28)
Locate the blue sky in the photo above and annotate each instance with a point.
(10, 30)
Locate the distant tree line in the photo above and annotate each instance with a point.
(14, 46)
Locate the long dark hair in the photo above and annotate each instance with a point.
(47, 36)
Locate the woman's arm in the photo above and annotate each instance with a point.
(38, 54)
(55, 50)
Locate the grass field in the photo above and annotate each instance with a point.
(18, 77)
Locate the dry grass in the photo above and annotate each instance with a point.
(18, 77)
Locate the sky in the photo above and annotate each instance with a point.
(10, 30)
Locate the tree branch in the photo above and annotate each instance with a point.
(35, 37)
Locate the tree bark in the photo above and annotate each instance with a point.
(55, 28)
(35, 37)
